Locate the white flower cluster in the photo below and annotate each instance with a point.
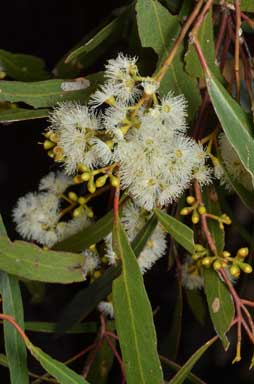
(233, 165)
(133, 221)
(37, 215)
(191, 277)
(157, 160)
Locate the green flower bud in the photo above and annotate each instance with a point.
(190, 200)
(202, 209)
(73, 196)
(101, 181)
(234, 270)
(217, 265)
(246, 268)
(206, 261)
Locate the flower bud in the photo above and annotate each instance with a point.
(91, 186)
(242, 252)
(101, 181)
(185, 211)
(81, 200)
(202, 209)
(73, 196)
(234, 270)
(206, 261)
(246, 268)
(48, 144)
(217, 265)
(195, 217)
(77, 179)
(190, 200)
(226, 254)
(115, 182)
(226, 219)
(85, 176)
(199, 248)
(77, 212)
(89, 212)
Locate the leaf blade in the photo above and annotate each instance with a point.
(133, 316)
(179, 231)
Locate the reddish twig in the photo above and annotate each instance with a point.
(237, 48)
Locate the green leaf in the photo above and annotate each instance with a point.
(176, 367)
(102, 364)
(183, 373)
(179, 231)
(206, 40)
(245, 195)
(45, 327)
(48, 93)
(197, 304)
(11, 115)
(14, 345)
(235, 122)
(23, 67)
(88, 298)
(88, 236)
(220, 304)
(114, 28)
(3, 231)
(55, 368)
(212, 204)
(133, 316)
(29, 261)
(158, 30)
(170, 343)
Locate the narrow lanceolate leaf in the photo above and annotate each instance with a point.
(31, 262)
(133, 316)
(88, 236)
(183, 373)
(212, 204)
(235, 122)
(19, 114)
(245, 195)
(23, 67)
(100, 37)
(158, 29)
(3, 231)
(193, 379)
(179, 231)
(55, 368)
(102, 364)
(220, 304)
(14, 345)
(48, 93)
(197, 304)
(45, 327)
(88, 298)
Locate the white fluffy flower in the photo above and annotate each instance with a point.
(106, 308)
(91, 262)
(55, 183)
(191, 278)
(75, 125)
(133, 221)
(233, 163)
(150, 86)
(105, 94)
(36, 217)
(114, 118)
(173, 111)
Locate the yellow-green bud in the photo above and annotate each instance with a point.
(89, 212)
(101, 181)
(82, 200)
(114, 181)
(77, 179)
(217, 265)
(104, 260)
(77, 212)
(226, 254)
(185, 211)
(206, 261)
(91, 186)
(246, 268)
(234, 270)
(111, 100)
(226, 219)
(73, 196)
(202, 209)
(97, 274)
(243, 252)
(199, 248)
(51, 154)
(53, 137)
(48, 144)
(196, 256)
(92, 247)
(83, 168)
(195, 217)
(85, 176)
(190, 200)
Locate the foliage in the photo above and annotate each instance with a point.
(147, 165)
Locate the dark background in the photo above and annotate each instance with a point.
(49, 29)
